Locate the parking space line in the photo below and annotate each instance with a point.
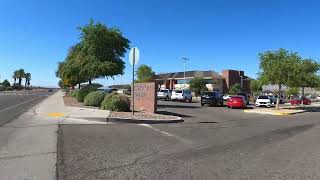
(168, 134)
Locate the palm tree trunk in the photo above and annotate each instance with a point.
(20, 81)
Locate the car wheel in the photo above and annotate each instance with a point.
(202, 104)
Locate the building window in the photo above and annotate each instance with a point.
(209, 81)
(181, 81)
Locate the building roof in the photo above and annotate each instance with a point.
(180, 75)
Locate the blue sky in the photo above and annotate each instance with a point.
(214, 34)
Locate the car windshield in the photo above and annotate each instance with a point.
(263, 97)
(177, 91)
(210, 93)
(163, 90)
(236, 97)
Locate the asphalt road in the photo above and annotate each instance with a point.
(212, 143)
(13, 104)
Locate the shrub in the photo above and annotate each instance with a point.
(74, 93)
(9, 88)
(94, 98)
(2, 88)
(83, 92)
(116, 102)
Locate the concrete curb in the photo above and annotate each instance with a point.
(273, 113)
(143, 121)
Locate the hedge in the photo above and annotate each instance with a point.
(116, 102)
(94, 98)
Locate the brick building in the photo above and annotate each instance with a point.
(215, 81)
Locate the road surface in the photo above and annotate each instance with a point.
(212, 143)
(13, 104)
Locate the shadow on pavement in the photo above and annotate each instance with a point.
(207, 122)
(172, 114)
(177, 106)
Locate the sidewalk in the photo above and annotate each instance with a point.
(31, 148)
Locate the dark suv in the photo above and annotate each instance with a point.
(211, 98)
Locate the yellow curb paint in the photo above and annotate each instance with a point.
(272, 113)
(55, 114)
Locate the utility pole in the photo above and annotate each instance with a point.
(184, 59)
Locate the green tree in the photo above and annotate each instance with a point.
(145, 74)
(234, 89)
(198, 85)
(306, 75)
(293, 91)
(255, 86)
(6, 83)
(15, 76)
(277, 67)
(18, 74)
(27, 80)
(101, 51)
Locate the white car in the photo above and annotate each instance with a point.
(164, 94)
(318, 98)
(184, 95)
(263, 101)
(226, 97)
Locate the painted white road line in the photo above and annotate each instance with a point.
(8, 108)
(169, 134)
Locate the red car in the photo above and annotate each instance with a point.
(298, 101)
(236, 102)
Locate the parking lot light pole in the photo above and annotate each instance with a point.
(184, 74)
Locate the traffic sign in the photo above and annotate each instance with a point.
(134, 52)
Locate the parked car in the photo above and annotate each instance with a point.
(182, 95)
(264, 101)
(237, 102)
(281, 99)
(211, 98)
(226, 97)
(273, 99)
(298, 101)
(318, 98)
(111, 90)
(245, 95)
(127, 91)
(50, 90)
(164, 94)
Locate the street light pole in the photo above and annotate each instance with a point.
(184, 74)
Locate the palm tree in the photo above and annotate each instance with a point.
(27, 82)
(15, 76)
(20, 75)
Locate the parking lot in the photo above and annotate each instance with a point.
(212, 143)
